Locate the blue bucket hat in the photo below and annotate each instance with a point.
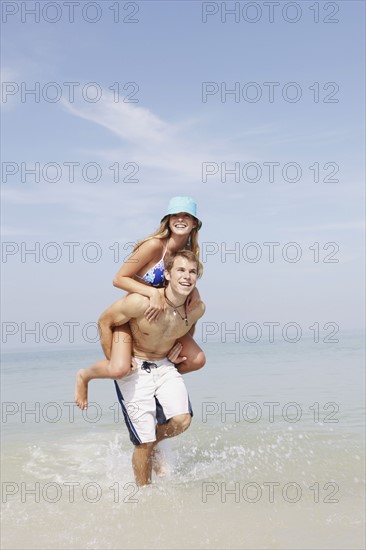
(183, 204)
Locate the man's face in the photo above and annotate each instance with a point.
(183, 276)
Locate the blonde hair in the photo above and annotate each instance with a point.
(164, 232)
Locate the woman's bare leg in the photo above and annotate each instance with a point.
(118, 366)
(187, 348)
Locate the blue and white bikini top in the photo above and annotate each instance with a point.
(155, 275)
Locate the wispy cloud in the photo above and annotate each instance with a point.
(170, 156)
(178, 148)
(130, 122)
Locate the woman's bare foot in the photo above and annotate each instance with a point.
(81, 390)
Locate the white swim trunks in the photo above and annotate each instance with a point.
(153, 393)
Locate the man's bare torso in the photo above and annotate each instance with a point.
(154, 340)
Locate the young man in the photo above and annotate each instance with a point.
(155, 390)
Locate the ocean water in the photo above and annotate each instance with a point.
(274, 457)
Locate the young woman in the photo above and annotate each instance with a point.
(143, 273)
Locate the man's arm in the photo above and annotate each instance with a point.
(119, 313)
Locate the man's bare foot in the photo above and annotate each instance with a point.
(160, 462)
(81, 390)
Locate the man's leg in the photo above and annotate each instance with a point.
(135, 393)
(139, 389)
(141, 463)
(143, 454)
(174, 412)
(175, 426)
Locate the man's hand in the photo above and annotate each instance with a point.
(174, 354)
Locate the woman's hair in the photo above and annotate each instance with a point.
(163, 232)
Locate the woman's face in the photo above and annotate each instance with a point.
(182, 223)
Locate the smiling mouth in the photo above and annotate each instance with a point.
(180, 226)
(187, 285)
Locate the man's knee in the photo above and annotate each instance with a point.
(182, 422)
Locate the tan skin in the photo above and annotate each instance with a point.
(153, 341)
(185, 352)
(147, 256)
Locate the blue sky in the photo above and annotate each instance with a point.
(168, 134)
